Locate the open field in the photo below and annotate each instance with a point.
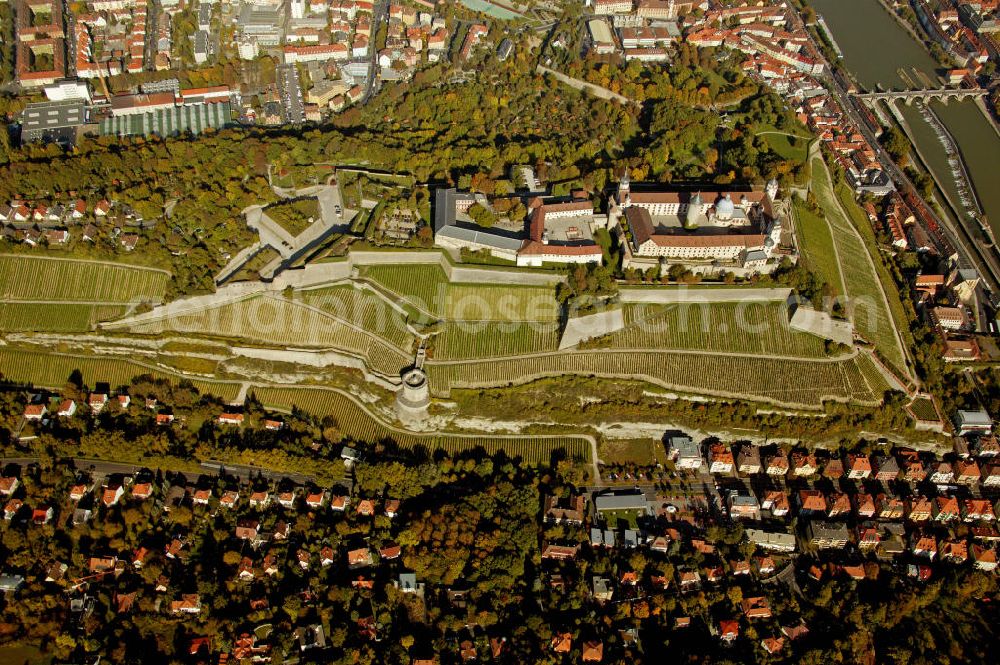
(870, 313)
(358, 425)
(53, 369)
(816, 245)
(474, 339)
(796, 383)
(36, 317)
(644, 452)
(42, 278)
(745, 327)
(277, 321)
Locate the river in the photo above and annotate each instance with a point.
(875, 47)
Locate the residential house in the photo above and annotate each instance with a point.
(777, 464)
(838, 505)
(868, 537)
(889, 507)
(247, 529)
(260, 499)
(97, 401)
(828, 535)
(188, 604)
(886, 468)
(748, 459)
(366, 508)
(864, 505)
(66, 408)
(230, 419)
(833, 469)
(142, 491)
(920, 509)
(12, 508)
(560, 552)
(565, 511)
(229, 499)
(35, 412)
(720, 459)
(955, 551)
(743, 505)
(985, 558)
(756, 607)
(942, 474)
(858, 466)
(803, 464)
(924, 545)
(913, 468)
(729, 630)
(967, 472)
(359, 558)
(593, 651)
(112, 494)
(775, 501)
(201, 497)
(78, 491)
(326, 556)
(811, 502)
(391, 507)
(977, 510)
(316, 499)
(9, 485)
(42, 515)
(603, 590)
(339, 503)
(685, 453)
(991, 475)
(389, 551)
(945, 509)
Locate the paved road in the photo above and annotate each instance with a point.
(379, 14)
(595, 90)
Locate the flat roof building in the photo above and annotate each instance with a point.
(53, 121)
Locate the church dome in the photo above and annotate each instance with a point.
(724, 208)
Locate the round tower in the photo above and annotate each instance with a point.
(772, 189)
(413, 397)
(693, 212)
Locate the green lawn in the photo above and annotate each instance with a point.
(793, 148)
(294, 216)
(816, 246)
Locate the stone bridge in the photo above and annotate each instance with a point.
(944, 95)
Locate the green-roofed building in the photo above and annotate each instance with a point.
(194, 118)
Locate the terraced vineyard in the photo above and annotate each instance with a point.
(358, 425)
(423, 286)
(923, 408)
(461, 340)
(51, 369)
(870, 314)
(788, 382)
(480, 302)
(274, 320)
(36, 317)
(751, 327)
(44, 278)
(362, 308)
(426, 287)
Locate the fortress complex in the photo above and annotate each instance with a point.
(736, 227)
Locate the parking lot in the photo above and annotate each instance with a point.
(291, 94)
